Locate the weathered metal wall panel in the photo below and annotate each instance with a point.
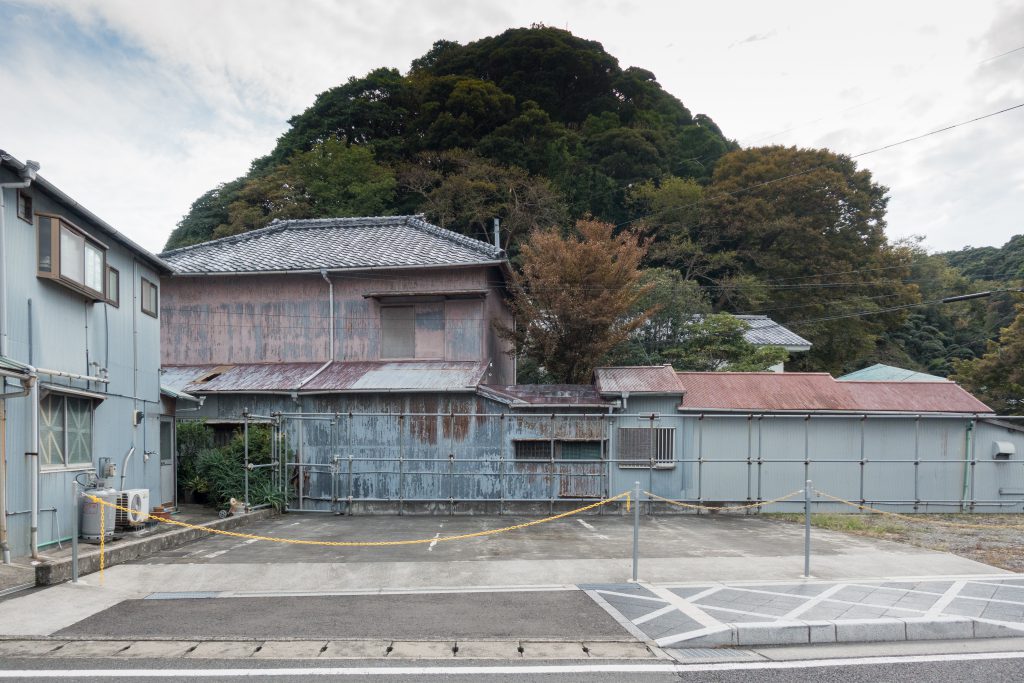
(69, 334)
(286, 318)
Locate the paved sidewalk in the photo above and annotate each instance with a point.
(770, 613)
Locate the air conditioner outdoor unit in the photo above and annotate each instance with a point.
(136, 502)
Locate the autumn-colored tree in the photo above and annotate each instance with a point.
(998, 377)
(575, 299)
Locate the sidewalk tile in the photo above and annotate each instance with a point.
(421, 649)
(355, 649)
(290, 649)
(162, 649)
(488, 649)
(610, 650)
(553, 650)
(224, 649)
(27, 648)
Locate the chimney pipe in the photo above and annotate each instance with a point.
(497, 233)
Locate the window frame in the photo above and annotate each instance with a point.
(57, 224)
(146, 286)
(554, 450)
(392, 307)
(25, 199)
(113, 298)
(64, 462)
(660, 437)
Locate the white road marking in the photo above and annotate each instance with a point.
(630, 595)
(815, 601)
(586, 525)
(740, 611)
(687, 607)
(618, 616)
(668, 609)
(947, 597)
(251, 540)
(217, 553)
(436, 536)
(509, 670)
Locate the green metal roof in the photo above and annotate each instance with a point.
(879, 372)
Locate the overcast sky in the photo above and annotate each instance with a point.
(136, 108)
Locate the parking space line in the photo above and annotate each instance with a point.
(686, 607)
(773, 617)
(655, 614)
(947, 597)
(814, 601)
(618, 616)
(630, 595)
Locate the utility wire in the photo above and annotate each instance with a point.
(790, 176)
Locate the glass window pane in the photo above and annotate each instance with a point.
(72, 260)
(581, 450)
(166, 442)
(45, 247)
(114, 286)
(93, 268)
(398, 332)
(79, 430)
(51, 430)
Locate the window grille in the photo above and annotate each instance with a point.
(644, 446)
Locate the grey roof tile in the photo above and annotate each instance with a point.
(334, 244)
(765, 331)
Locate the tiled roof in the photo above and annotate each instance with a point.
(334, 244)
(545, 395)
(797, 391)
(879, 372)
(764, 331)
(641, 379)
(362, 376)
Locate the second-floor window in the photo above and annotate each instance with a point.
(69, 256)
(150, 298)
(25, 206)
(398, 332)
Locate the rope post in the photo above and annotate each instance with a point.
(74, 531)
(245, 415)
(807, 529)
(636, 530)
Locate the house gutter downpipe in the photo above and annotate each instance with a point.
(330, 285)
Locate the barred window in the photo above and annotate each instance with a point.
(65, 430)
(642, 446)
(560, 449)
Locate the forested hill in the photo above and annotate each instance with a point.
(539, 127)
(533, 126)
(991, 263)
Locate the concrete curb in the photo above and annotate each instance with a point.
(748, 634)
(58, 571)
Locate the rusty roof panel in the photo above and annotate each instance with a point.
(798, 391)
(581, 395)
(399, 376)
(641, 379)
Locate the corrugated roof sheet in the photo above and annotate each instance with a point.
(576, 395)
(879, 372)
(640, 379)
(764, 331)
(399, 375)
(338, 377)
(797, 391)
(177, 395)
(334, 244)
(13, 366)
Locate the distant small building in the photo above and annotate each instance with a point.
(764, 331)
(879, 372)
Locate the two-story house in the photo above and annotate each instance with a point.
(387, 312)
(79, 356)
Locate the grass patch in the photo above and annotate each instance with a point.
(854, 524)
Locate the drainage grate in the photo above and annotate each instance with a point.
(182, 595)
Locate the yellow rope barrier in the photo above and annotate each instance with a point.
(298, 541)
(722, 508)
(908, 518)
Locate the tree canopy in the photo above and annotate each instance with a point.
(541, 129)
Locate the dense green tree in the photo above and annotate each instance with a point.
(463, 192)
(810, 226)
(997, 378)
(991, 263)
(716, 342)
(331, 179)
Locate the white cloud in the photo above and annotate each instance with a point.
(137, 108)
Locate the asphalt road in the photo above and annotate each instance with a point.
(992, 668)
(434, 616)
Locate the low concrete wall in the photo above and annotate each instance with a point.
(59, 571)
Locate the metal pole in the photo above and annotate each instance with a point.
(74, 531)
(245, 428)
(917, 462)
(807, 529)
(636, 529)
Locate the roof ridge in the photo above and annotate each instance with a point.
(278, 225)
(419, 222)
